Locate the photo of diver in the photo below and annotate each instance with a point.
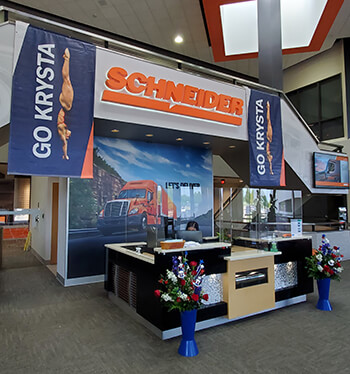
(66, 101)
(269, 134)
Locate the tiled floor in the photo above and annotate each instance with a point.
(46, 328)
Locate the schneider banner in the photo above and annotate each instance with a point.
(265, 140)
(51, 130)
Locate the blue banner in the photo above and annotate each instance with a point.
(51, 131)
(265, 140)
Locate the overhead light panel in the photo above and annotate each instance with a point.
(178, 39)
(240, 24)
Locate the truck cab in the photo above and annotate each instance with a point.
(139, 203)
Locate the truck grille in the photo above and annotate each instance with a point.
(117, 209)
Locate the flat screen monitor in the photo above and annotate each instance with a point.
(331, 170)
(190, 236)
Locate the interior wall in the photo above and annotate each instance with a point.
(22, 193)
(222, 169)
(41, 198)
(315, 69)
(4, 150)
(322, 66)
(318, 68)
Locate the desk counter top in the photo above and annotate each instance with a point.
(194, 247)
(244, 253)
(149, 257)
(237, 252)
(270, 238)
(121, 247)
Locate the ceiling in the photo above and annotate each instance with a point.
(156, 22)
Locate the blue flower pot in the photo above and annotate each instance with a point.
(188, 346)
(323, 294)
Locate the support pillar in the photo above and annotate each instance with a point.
(270, 43)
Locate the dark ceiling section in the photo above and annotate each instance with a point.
(131, 131)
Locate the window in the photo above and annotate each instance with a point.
(320, 104)
(132, 194)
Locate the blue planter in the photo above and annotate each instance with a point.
(323, 294)
(188, 346)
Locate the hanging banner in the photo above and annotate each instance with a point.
(265, 140)
(51, 132)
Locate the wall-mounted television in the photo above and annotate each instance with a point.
(331, 170)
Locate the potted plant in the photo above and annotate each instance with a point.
(181, 289)
(324, 265)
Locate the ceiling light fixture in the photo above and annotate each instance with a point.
(232, 146)
(149, 135)
(206, 143)
(179, 139)
(178, 39)
(115, 130)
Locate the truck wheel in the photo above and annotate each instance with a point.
(143, 224)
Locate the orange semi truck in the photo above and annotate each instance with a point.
(139, 203)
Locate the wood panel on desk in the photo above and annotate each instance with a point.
(252, 299)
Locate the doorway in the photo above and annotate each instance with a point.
(54, 228)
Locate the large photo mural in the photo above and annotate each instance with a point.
(136, 186)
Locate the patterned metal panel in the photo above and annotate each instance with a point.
(212, 285)
(286, 275)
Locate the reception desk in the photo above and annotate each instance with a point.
(249, 283)
(240, 281)
(291, 279)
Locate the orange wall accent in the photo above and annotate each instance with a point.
(15, 232)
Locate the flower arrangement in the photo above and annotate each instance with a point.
(325, 262)
(182, 285)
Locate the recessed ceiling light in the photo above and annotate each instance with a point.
(179, 139)
(149, 135)
(232, 146)
(178, 39)
(206, 143)
(115, 130)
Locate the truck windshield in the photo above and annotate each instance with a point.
(131, 194)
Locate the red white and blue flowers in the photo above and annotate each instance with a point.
(325, 262)
(182, 285)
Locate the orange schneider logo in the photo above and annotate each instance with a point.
(172, 98)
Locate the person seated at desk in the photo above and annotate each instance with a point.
(191, 234)
(192, 226)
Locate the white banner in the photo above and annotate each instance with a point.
(7, 36)
(132, 90)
